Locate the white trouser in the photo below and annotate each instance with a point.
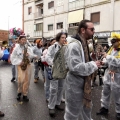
(56, 92)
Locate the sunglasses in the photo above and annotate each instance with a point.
(92, 29)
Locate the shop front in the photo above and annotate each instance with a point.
(104, 37)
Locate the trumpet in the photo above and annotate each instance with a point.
(5, 43)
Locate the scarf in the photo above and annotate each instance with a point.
(87, 79)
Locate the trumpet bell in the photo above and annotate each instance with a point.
(5, 43)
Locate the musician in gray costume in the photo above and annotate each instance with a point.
(80, 67)
(112, 78)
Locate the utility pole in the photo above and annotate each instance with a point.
(23, 15)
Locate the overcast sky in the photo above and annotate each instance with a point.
(10, 14)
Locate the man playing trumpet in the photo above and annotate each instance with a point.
(111, 78)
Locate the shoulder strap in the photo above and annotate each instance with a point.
(55, 45)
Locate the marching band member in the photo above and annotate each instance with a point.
(20, 57)
(112, 78)
(13, 66)
(37, 50)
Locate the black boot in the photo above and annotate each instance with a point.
(13, 79)
(118, 116)
(103, 111)
(100, 81)
(25, 98)
(19, 96)
(59, 107)
(52, 112)
(2, 114)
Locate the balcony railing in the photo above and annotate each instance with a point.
(76, 5)
(38, 34)
(38, 15)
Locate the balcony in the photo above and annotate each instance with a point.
(38, 15)
(76, 5)
(38, 2)
(37, 34)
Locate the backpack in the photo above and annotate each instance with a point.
(59, 70)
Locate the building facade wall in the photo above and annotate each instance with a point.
(29, 28)
(60, 6)
(54, 15)
(54, 20)
(76, 4)
(109, 14)
(95, 2)
(117, 15)
(29, 18)
(105, 17)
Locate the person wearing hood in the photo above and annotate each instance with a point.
(111, 78)
(37, 50)
(21, 56)
(56, 86)
(78, 79)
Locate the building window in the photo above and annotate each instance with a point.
(29, 10)
(39, 27)
(95, 17)
(50, 27)
(42, 11)
(74, 24)
(60, 25)
(50, 4)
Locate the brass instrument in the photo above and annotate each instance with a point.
(5, 43)
(25, 59)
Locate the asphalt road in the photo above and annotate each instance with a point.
(36, 108)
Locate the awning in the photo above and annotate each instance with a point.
(75, 16)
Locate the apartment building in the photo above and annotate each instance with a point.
(45, 18)
(29, 6)
(75, 15)
(33, 18)
(105, 15)
(55, 17)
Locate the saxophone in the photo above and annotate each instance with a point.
(25, 60)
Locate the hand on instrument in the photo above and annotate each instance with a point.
(102, 63)
(98, 63)
(104, 54)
